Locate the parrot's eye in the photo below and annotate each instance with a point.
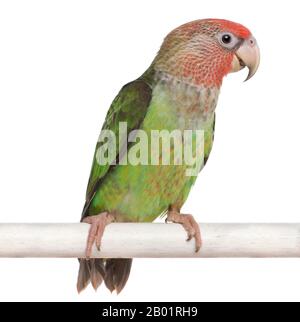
(228, 40)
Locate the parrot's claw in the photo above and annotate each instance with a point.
(189, 224)
(98, 224)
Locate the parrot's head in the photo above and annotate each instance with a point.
(204, 51)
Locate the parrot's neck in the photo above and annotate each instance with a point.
(193, 105)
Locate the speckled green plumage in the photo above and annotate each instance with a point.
(141, 193)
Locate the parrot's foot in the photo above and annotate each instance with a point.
(189, 224)
(98, 224)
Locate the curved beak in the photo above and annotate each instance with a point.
(247, 55)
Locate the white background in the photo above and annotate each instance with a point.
(62, 63)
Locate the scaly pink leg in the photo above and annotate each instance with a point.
(189, 224)
(98, 224)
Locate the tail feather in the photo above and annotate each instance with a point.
(114, 272)
(97, 273)
(117, 273)
(84, 275)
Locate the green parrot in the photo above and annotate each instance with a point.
(179, 91)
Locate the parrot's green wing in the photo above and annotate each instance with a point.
(209, 139)
(129, 106)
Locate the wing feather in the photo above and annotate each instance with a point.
(130, 106)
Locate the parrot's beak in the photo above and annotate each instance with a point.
(247, 55)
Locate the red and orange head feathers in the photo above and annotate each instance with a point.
(202, 52)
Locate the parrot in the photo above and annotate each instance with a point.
(179, 90)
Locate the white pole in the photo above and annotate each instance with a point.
(150, 240)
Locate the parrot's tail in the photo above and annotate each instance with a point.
(114, 273)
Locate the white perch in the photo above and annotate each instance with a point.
(150, 241)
